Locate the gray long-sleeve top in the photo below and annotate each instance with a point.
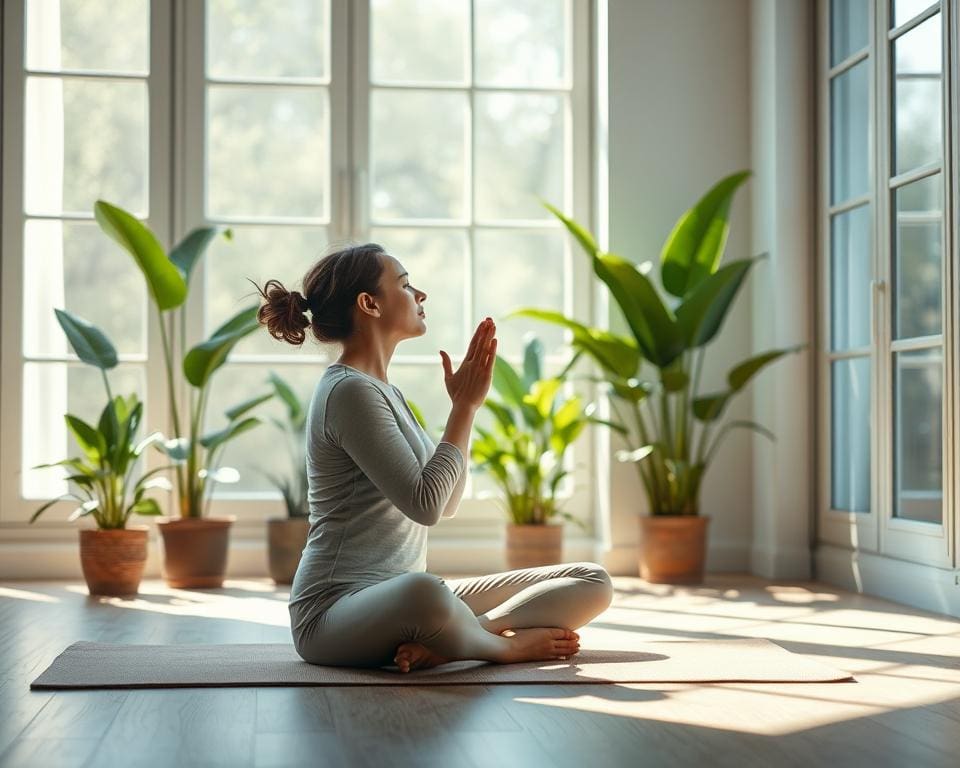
(376, 482)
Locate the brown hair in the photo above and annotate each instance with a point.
(330, 288)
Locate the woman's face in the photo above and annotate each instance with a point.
(401, 300)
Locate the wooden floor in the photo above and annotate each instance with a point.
(904, 709)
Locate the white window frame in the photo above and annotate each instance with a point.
(349, 220)
(878, 530)
(16, 511)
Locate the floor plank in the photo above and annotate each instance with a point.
(903, 709)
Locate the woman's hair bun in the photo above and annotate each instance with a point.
(283, 312)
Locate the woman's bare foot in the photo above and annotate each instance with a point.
(416, 656)
(540, 644)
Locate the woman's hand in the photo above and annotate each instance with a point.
(470, 384)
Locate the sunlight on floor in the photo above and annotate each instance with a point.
(156, 597)
(22, 594)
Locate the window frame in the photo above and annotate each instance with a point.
(15, 511)
(349, 171)
(879, 530)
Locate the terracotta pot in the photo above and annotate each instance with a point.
(530, 546)
(286, 537)
(195, 550)
(113, 560)
(673, 548)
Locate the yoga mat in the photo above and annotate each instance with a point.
(117, 665)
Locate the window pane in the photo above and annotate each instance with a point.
(918, 435)
(904, 10)
(518, 268)
(916, 94)
(440, 28)
(849, 28)
(76, 267)
(82, 35)
(849, 112)
(259, 254)
(267, 151)
(260, 38)
(233, 384)
(85, 140)
(423, 176)
(49, 391)
(522, 42)
(520, 155)
(850, 435)
(850, 276)
(437, 261)
(918, 258)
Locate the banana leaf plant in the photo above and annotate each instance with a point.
(675, 427)
(167, 276)
(294, 486)
(532, 430)
(111, 449)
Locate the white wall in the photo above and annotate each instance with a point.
(679, 120)
(784, 301)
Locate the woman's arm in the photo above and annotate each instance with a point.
(359, 419)
(459, 427)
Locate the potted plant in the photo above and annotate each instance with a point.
(655, 372)
(287, 535)
(195, 544)
(113, 554)
(524, 454)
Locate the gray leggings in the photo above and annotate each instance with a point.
(457, 619)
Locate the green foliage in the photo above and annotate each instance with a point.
(532, 431)
(167, 278)
(670, 420)
(294, 486)
(111, 450)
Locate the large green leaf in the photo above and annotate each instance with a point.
(164, 280)
(201, 361)
(128, 429)
(109, 424)
(532, 362)
(503, 415)
(188, 251)
(508, 383)
(654, 327)
(90, 440)
(710, 407)
(289, 397)
(567, 413)
(212, 440)
(695, 246)
(741, 374)
(146, 507)
(246, 405)
(702, 313)
(617, 354)
(89, 342)
(541, 397)
(586, 240)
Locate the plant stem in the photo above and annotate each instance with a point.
(106, 383)
(195, 487)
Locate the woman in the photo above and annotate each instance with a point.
(362, 595)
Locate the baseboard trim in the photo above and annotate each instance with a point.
(914, 584)
(53, 559)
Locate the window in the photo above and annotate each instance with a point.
(885, 276)
(430, 126)
(87, 103)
